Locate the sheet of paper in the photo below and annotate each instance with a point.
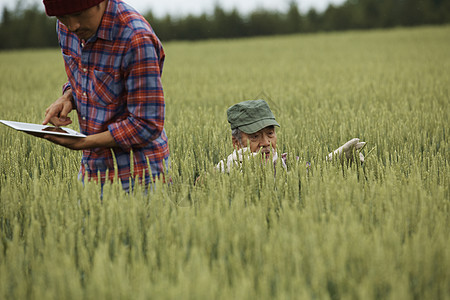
(44, 129)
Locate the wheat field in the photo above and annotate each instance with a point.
(328, 231)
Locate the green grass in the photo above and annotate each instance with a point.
(380, 231)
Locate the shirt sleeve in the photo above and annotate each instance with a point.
(63, 34)
(65, 87)
(143, 64)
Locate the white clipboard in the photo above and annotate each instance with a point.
(43, 129)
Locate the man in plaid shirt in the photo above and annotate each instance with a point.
(114, 62)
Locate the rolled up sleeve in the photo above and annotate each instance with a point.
(144, 96)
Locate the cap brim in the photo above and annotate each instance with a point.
(257, 126)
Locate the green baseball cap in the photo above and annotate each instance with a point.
(251, 116)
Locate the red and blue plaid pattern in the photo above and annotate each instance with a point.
(115, 77)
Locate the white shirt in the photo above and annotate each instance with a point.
(235, 159)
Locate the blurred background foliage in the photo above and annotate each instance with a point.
(29, 27)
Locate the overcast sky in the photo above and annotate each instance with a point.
(183, 7)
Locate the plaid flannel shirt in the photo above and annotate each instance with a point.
(115, 78)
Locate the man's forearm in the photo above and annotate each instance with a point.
(99, 140)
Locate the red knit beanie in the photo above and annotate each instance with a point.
(67, 7)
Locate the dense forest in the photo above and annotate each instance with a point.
(29, 27)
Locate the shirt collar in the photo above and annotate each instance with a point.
(238, 155)
(107, 28)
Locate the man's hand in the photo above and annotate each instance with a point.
(73, 143)
(347, 149)
(57, 113)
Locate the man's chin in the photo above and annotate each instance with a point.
(83, 35)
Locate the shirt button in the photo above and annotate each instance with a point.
(84, 94)
(84, 118)
(84, 70)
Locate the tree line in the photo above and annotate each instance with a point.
(31, 28)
